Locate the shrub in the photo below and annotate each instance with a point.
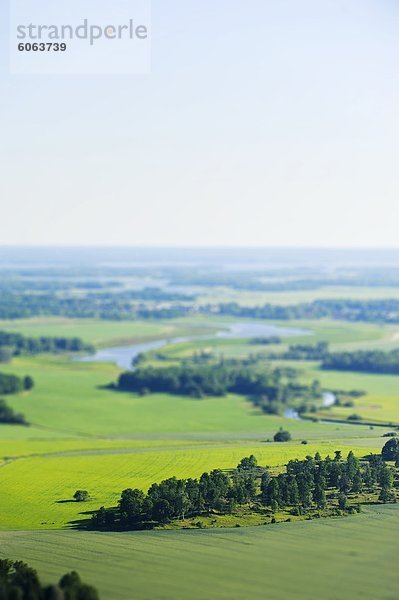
(282, 436)
(81, 496)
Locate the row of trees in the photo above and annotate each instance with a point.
(125, 305)
(12, 384)
(305, 484)
(368, 361)
(302, 352)
(14, 344)
(270, 389)
(154, 303)
(286, 279)
(386, 311)
(18, 581)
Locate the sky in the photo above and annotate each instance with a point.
(261, 123)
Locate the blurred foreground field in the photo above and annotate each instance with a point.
(351, 558)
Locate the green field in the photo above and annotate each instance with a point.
(39, 489)
(107, 333)
(335, 559)
(84, 435)
(105, 441)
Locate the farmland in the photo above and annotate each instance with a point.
(287, 560)
(106, 441)
(85, 435)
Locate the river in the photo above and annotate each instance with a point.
(123, 356)
(328, 400)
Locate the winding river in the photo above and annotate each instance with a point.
(123, 356)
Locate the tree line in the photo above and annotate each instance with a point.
(269, 389)
(368, 361)
(304, 485)
(136, 304)
(126, 305)
(384, 311)
(18, 581)
(12, 384)
(15, 344)
(286, 279)
(316, 351)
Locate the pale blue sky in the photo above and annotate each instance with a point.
(263, 122)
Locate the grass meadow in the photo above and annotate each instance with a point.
(39, 489)
(350, 558)
(85, 435)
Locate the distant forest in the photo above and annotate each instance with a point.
(154, 303)
(384, 311)
(114, 306)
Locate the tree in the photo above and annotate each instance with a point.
(53, 592)
(273, 493)
(386, 495)
(26, 579)
(368, 476)
(7, 415)
(28, 382)
(18, 581)
(81, 496)
(305, 490)
(344, 484)
(162, 511)
(282, 436)
(131, 506)
(247, 463)
(391, 450)
(319, 496)
(386, 478)
(343, 501)
(357, 483)
(103, 519)
(352, 466)
(74, 589)
(264, 484)
(293, 491)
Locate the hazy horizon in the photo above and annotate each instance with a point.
(236, 258)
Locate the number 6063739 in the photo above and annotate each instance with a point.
(42, 47)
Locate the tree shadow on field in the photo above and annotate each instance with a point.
(66, 502)
(84, 523)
